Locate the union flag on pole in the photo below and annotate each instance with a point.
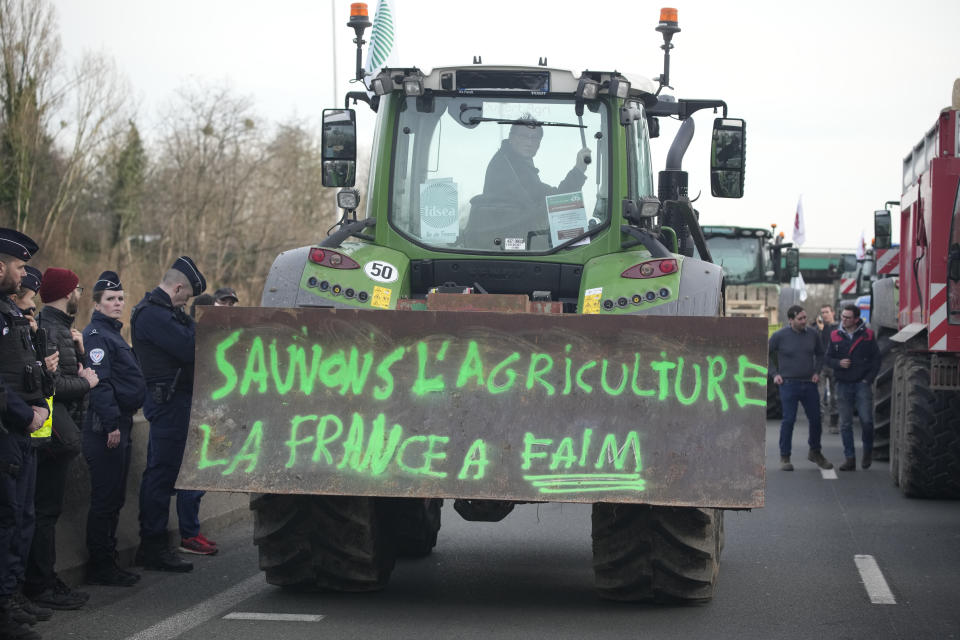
(799, 228)
(862, 246)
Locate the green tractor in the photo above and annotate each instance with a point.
(528, 302)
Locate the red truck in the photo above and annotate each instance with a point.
(925, 401)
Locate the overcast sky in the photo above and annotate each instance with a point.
(834, 93)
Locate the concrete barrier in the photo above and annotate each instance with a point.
(217, 510)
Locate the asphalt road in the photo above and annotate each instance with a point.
(789, 570)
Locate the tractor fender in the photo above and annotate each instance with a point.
(283, 281)
(700, 294)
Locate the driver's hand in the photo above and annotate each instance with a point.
(583, 159)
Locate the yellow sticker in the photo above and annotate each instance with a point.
(381, 297)
(591, 300)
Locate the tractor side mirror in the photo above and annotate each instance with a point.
(727, 157)
(339, 148)
(793, 262)
(881, 229)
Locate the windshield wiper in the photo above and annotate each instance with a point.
(526, 123)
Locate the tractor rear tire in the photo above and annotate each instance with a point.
(774, 406)
(897, 416)
(647, 553)
(413, 524)
(882, 396)
(336, 543)
(928, 455)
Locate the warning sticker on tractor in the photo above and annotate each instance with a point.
(508, 406)
(381, 298)
(591, 300)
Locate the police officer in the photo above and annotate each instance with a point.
(24, 298)
(24, 411)
(106, 429)
(163, 339)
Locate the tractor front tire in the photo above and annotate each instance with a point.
(413, 524)
(644, 553)
(928, 455)
(335, 543)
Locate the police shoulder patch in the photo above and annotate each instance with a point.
(96, 356)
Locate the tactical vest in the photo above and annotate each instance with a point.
(19, 368)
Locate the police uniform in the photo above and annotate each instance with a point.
(112, 405)
(24, 385)
(163, 340)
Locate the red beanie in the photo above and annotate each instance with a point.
(57, 283)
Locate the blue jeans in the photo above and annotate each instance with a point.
(857, 395)
(792, 393)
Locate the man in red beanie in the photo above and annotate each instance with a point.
(61, 297)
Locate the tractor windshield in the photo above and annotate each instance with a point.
(500, 174)
(742, 258)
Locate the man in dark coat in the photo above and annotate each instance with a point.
(513, 200)
(855, 358)
(60, 294)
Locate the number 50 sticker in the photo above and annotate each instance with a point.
(381, 271)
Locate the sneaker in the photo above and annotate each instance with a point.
(106, 574)
(867, 459)
(61, 587)
(816, 457)
(850, 464)
(785, 464)
(205, 539)
(40, 613)
(163, 559)
(17, 613)
(10, 629)
(63, 600)
(197, 545)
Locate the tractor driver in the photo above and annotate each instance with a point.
(511, 175)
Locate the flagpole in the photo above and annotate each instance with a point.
(333, 39)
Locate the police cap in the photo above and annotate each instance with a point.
(16, 244)
(188, 267)
(108, 281)
(31, 280)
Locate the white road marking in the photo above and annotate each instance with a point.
(273, 617)
(177, 625)
(829, 474)
(873, 580)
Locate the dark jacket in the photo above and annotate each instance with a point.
(163, 339)
(514, 178)
(15, 414)
(70, 389)
(23, 380)
(828, 328)
(861, 348)
(121, 390)
(513, 200)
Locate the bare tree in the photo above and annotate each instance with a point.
(55, 121)
(210, 151)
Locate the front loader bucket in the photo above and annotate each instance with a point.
(505, 406)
